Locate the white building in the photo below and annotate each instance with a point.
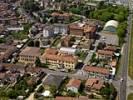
(68, 50)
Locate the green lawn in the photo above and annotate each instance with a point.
(130, 68)
(130, 96)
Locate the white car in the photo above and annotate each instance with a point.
(121, 79)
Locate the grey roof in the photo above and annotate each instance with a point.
(53, 80)
(109, 38)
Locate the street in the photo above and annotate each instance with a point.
(124, 61)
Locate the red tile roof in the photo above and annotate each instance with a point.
(52, 54)
(105, 52)
(74, 83)
(94, 83)
(96, 69)
(64, 98)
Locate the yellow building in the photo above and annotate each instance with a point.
(29, 55)
(55, 58)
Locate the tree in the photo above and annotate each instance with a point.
(12, 93)
(30, 5)
(37, 43)
(31, 43)
(38, 62)
(109, 92)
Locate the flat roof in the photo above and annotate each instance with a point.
(31, 51)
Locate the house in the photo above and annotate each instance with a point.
(105, 54)
(93, 85)
(81, 29)
(29, 55)
(59, 60)
(52, 81)
(61, 17)
(73, 85)
(100, 72)
(110, 48)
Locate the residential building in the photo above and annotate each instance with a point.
(60, 60)
(61, 17)
(81, 29)
(73, 85)
(105, 54)
(93, 85)
(6, 51)
(29, 55)
(95, 71)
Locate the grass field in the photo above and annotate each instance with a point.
(130, 67)
(130, 96)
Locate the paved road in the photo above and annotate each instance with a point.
(124, 65)
(74, 75)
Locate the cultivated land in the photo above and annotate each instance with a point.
(130, 70)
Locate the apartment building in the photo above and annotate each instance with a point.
(29, 55)
(100, 72)
(59, 60)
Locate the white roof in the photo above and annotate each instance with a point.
(46, 93)
(68, 49)
(113, 71)
(111, 23)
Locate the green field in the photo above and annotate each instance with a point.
(130, 96)
(130, 68)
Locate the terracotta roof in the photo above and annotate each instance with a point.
(76, 26)
(65, 58)
(105, 52)
(110, 48)
(74, 83)
(94, 83)
(89, 29)
(51, 51)
(96, 69)
(71, 98)
(53, 54)
(64, 98)
(98, 85)
(31, 51)
(83, 26)
(91, 81)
